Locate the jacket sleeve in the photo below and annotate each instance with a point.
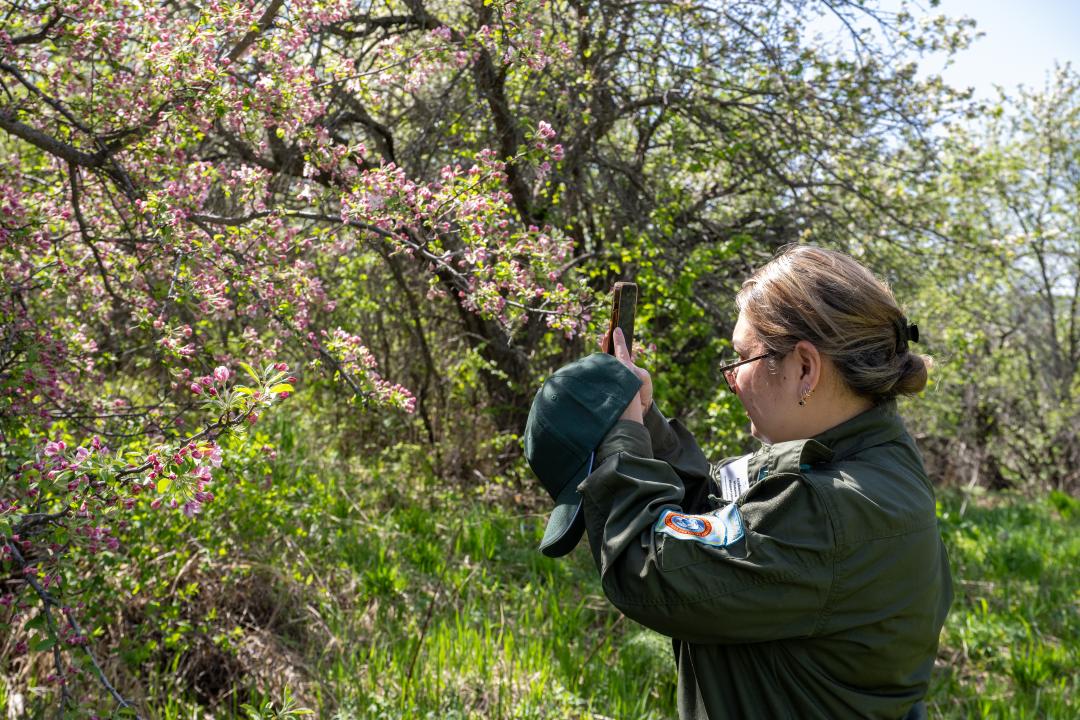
(673, 443)
(770, 581)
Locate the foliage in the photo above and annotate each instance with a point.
(181, 187)
(269, 711)
(368, 600)
(69, 506)
(1002, 295)
(362, 597)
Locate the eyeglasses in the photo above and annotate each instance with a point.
(731, 371)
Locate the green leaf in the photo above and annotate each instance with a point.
(281, 387)
(163, 484)
(43, 644)
(251, 371)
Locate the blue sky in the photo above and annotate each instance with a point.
(1023, 38)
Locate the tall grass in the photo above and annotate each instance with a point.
(1011, 646)
(372, 589)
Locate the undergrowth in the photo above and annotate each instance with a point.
(371, 589)
(1011, 646)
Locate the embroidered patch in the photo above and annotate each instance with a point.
(688, 524)
(719, 528)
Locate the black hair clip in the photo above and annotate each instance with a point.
(905, 333)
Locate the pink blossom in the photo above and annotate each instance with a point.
(250, 288)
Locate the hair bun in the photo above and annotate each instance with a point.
(914, 372)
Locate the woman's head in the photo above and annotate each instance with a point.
(830, 300)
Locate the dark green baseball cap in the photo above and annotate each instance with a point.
(570, 415)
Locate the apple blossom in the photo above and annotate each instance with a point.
(175, 171)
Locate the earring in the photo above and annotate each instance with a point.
(807, 392)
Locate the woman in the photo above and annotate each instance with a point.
(818, 587)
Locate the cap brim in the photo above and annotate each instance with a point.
(566, 524)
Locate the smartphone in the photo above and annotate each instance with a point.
(623, 308)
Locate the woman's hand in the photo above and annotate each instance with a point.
(639, 406)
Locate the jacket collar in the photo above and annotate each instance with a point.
(878, 425)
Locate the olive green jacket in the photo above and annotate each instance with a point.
(818, 593)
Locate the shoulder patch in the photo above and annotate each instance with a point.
(719, 528)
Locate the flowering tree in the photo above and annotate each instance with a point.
(179, 184)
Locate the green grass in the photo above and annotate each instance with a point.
(375, 590)
(385, 594)
(1011, 646)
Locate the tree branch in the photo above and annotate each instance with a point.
(41, 34)
(73, 173)
(253, 34)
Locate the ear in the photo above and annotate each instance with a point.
(810, 362)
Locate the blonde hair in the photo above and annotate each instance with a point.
(833, 301)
